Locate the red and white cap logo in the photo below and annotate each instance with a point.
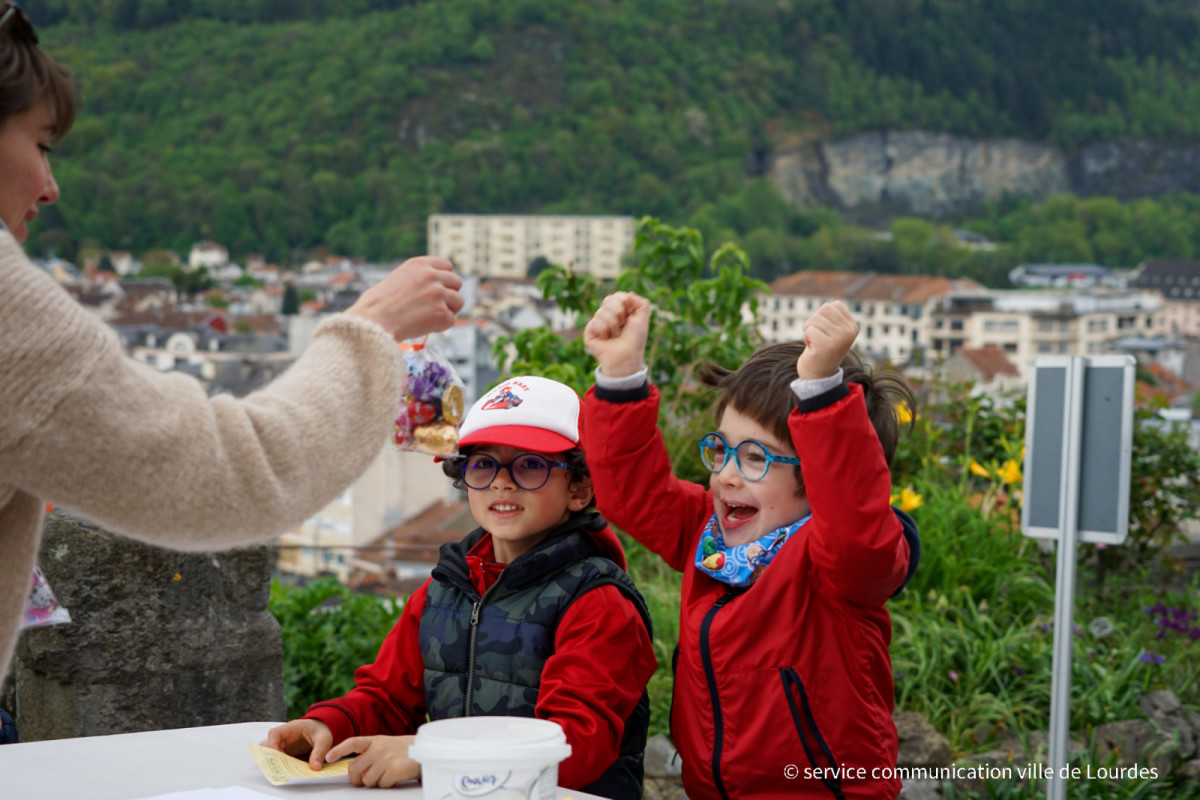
(528, 412)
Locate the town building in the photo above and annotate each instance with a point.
(503, 245)
(987, 369)
(1178, 282)
(919, 321)
(1024, 325)
(893, 310)
(207, 254)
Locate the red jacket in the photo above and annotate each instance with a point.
(603, 658)
(793, 675)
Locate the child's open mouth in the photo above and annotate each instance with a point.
(504, 509)
(737, 515)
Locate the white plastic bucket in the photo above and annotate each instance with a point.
(500, 758)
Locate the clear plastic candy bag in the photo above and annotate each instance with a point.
(42, 608)
(431, 408)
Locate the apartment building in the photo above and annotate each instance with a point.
(502, 245)
(893, 310)
(1178, 282)
(207, 254)
(1024, 325)
(918, 320)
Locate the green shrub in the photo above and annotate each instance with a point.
(324, 644)
(973, 637)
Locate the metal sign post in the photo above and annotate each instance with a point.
(1078, 451)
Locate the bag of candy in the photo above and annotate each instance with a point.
(42, 608)
(432, 406)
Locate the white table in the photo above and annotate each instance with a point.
(130, 766)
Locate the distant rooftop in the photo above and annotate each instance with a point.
(1064, 270)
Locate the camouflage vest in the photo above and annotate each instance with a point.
(503, 639)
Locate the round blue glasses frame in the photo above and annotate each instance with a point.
(751, 457)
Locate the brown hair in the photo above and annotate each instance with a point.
(29, 77)
(574, 459)
(760, 389)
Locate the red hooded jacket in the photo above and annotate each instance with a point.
(783, 690)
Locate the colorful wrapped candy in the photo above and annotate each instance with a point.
(432, 406)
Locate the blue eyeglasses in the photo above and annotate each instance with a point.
(751, 458)
(529, 471)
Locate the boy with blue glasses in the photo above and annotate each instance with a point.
(783, 684)
(530, 615)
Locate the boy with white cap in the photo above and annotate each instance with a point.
(530, 615)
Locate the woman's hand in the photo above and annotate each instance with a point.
(417, 298)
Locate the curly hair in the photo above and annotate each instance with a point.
(760, 389)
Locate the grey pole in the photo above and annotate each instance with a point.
(1064, 597)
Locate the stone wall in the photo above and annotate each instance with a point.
(158, 639)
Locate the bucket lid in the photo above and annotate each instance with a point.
(515, 740)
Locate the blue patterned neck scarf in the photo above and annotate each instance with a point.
(741, 564)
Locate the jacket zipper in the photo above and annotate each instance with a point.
(476, 608)
(710, 675)
(471, 657)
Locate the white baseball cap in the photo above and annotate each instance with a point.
(527, 411)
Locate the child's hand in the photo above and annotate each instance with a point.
(301, 736)
(383, 760)
(828, 336)
(616, 334)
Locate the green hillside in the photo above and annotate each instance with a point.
(277, 126)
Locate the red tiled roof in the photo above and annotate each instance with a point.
(869, 286)
(816, 283)
(1146, 392)
(990, 361)
(1168, 379)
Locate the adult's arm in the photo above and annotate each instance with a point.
(149, 454)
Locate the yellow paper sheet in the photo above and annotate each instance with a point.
(279, 768)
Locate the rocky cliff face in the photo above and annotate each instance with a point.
(935, 174)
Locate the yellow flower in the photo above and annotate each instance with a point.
(903, 414)
(906, 500)
(177, 577)
(979, 469)
(1010, 472)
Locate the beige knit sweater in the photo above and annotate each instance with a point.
(149, 454)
